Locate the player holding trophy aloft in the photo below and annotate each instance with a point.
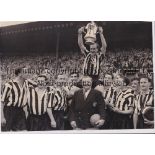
(95, 55)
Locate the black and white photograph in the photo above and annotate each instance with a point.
(76, 76)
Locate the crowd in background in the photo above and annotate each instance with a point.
(128, 61)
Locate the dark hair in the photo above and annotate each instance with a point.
(144, 76)
(135, 79)
(126, 81)
(86, 76)
(18, 71)
(109, 74)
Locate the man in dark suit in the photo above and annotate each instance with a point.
(85, 103)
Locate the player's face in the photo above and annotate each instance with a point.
(20, 75)
(93, 48)
(144, 84)
(61, 80)
(135, 85)
(87, 83)
(34, 78)
(118, 81)
(108, 79)
(101, 78)
(41, 81)
(74, 77)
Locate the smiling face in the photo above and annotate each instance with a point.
(87, 83)
(41, 82)
(94, 48)
(118, 80)
(135, 85)
(61, 80)
(74, 77)
(144, 84)
(108, 79)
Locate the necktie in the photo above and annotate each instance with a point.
(84, 93)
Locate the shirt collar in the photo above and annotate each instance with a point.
(145, 93)
(87, 90)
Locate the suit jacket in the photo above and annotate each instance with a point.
(82, 109)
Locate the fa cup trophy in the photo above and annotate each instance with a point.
(90, 36)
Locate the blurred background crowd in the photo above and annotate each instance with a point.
(130, 62)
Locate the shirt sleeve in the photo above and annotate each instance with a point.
(25, 99)
(6, 92)
(137, 108)
(50, 100)
(131, 101)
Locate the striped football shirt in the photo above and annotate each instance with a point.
(13, 94)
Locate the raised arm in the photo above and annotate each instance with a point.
(103, 42)
(80, 41)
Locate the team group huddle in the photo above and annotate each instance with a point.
(74, 103)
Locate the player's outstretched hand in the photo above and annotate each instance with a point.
(148, 122)
(99, 123)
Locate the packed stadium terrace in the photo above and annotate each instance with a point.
(128, 61)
